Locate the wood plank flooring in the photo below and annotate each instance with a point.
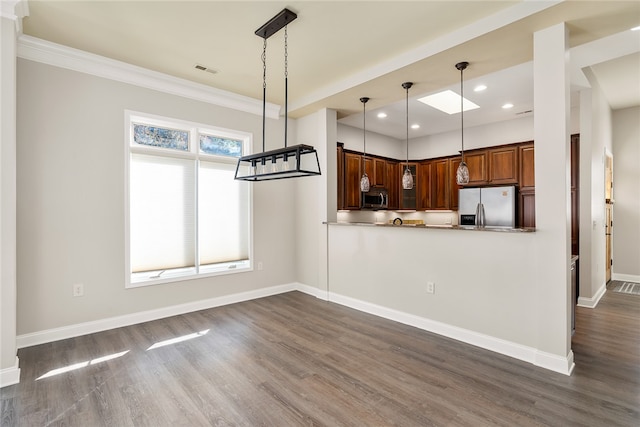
(291, 360)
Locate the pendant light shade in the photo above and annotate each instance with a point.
(290, 161)
(462, 174)
(364, 181)
(407, 177)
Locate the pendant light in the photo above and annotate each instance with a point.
(462, 174)
(407, 177)
(364, 181)
(288, 162)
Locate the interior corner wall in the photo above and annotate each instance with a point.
(626, 193)
(595, 138)
(70, 201)
(316, 199)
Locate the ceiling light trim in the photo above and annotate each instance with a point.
(38, 50)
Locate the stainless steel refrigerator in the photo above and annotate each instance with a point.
(488, 206)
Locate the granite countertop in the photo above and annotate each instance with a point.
(436, 226)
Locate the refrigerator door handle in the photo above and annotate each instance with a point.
(480, 222)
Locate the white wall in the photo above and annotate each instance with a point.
(626, 188)
(380, 145)
(9, 371)
(70, 165)
(595, 137)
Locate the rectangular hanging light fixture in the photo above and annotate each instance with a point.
(288, 162)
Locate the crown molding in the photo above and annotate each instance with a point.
(35, 49)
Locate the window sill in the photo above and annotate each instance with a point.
(138, 280)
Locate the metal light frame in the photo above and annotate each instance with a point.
(288, 162)
(407, 177)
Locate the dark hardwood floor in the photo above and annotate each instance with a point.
(292, 360)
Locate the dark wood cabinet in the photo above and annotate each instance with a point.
(352, 175)
(379, 173)
(424, 185)
(393, 184)
(340, 183)
(527, 166)
(527, 208)
(478, 167)
(503, 165)
(575, 194)
(408, 198)
(454, 162)
(440, 181)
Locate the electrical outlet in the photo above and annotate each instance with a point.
(78, 290)
(260, 266)
(431, 288)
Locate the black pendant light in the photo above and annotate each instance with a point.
(288, 162)
(462, 174)
(407, 177)
(364, 181)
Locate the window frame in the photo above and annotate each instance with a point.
(135, 280)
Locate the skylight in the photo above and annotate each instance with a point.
(448, 102)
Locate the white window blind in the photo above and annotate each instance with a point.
(223, 214)
(162, 213)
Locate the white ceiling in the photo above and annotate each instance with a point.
(340, 51)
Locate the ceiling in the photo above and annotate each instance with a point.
(339, 51)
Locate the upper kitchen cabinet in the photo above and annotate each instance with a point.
(408, 198)
(376, 171)
(478, 165)
(393, 184)
(424, 185)
(340, 182)
(440, 184)
(454, 162)
(352, 174)
(503, 165)
(527, 166)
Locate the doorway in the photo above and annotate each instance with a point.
(608, 199)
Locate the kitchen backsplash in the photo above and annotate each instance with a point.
(429, 217)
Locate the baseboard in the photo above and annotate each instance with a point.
(594, 300)
(10, 376)
(517, 351)
(625, 277)
(310, 290)
(56, 334)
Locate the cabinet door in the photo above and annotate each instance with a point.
(340, 167)
(527, 167)
(503, 165)
(393, 185)
(352, 174)
(527, 208)
(368, 168)
(440, 184)
(425, 185)
(379, 173)
(454, 162)
(478, 167)
(408, 198)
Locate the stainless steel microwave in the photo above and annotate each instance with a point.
(376, 198)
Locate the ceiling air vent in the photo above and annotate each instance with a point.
(203, 68)
(524, 112)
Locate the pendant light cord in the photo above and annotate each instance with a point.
(286, 84)
(462, 113)
(264, 90)
(364, 129)
(407, 109)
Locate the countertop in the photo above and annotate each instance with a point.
(435, 226)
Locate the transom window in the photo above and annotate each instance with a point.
(186, 216)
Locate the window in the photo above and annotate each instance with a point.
(186, 216)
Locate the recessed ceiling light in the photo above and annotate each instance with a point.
(382, 115)
(507, 106)
(636, 28)
(479, 88)
(415, 126)
(448, 102)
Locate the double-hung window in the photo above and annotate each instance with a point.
(186, 216)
